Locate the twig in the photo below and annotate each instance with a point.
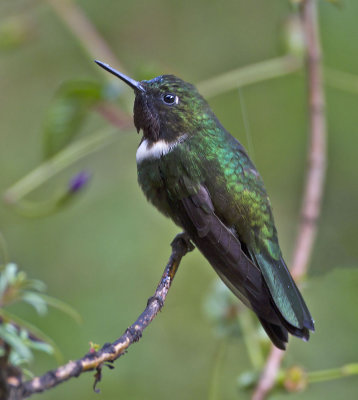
(315, 178)
(114, 115)
(111, 351)
(333, 373)
(269, 374)
(82, 29)
(312, 199)
(341, 80)
(247, 75)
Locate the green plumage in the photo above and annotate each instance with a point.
(196, 173)
(237, 192)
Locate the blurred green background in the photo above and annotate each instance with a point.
(105, 253)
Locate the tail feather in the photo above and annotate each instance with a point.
(263, 284)
(285, 295)
(277, 334)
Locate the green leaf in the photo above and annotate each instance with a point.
(9, 334)
(34, 284)
(67, 113)
(62, 306)
(42, 346)
(21, 343)
(248, 379)
(36, 301)
(34, 331)
(11, 272)
(7, 277)
(15, 286)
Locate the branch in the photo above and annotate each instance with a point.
(110, 351)
(312, 198)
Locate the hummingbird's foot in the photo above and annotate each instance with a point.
(135, 333)
(155, 298)
(184, 238)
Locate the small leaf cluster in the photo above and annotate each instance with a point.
(20, 338)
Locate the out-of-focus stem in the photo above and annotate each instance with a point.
(215, 377)
(85, 32)
(60, 161)
(250, 338)
(269, 374)
(312, 198)
(341, 80)
(253, 73)
(334, 373)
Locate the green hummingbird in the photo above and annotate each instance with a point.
(197, 174)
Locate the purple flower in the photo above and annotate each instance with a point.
(78, 181)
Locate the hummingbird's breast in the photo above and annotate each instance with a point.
(160, 169)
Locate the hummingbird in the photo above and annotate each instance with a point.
(196, 173)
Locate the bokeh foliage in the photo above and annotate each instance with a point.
(104, 253)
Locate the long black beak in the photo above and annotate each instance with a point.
(129, 81)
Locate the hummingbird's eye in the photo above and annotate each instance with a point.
(170, 99)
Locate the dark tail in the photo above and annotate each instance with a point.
(268, 289)
(277, 334)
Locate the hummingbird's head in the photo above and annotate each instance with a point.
(166, 107)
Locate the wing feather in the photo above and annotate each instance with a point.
(222, 248)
